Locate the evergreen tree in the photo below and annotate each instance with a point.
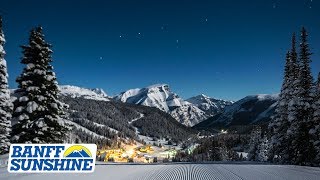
(279, 124)
(263, 149)
(315, 131)
(254, 143)
(294, 65)
(5, 102)
(37, 109)
(301, 150)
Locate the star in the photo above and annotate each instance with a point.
(100, 57)
(164, 27)
(177, 41)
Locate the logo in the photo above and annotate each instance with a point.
(77, 151)
(52, 158)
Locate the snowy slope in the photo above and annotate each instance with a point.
(210, 106)
(161, 97)
(100, 91)
(188, 114)
(158, 95)
(87, 131)
(249, 110)
(218, 171)
(74, 91)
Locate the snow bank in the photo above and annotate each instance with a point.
(4, 160)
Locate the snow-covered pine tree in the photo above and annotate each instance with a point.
(5, 102)
(315, 130)
(301, 150)
(254, 142)
(264, 149)
(38, 110)
(294, 67)
(279, 124)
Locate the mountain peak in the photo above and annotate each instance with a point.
(161, 97)
(253, 109)
(100, 91)
(75, 91)
(157, 86)
(205, 96)
(210, 106)
(157, 95)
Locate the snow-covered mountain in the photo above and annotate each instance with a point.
(75, 91)
(209, 105)
(99, 120)
(188, 114)
(161, 97)
(158, 95)
(100, 91)
(253, 109)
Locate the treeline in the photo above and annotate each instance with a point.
(83, 137)
(293, 136)
(117, 115)
(86, 112)
(158, 124)
(218, 148)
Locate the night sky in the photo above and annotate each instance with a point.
(225, 49)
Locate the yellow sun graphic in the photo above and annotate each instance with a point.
(76, 148)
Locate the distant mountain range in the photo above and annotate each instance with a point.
(155, 112)
(199, 110)
(255, 109)
(96, 116)
(188, 112)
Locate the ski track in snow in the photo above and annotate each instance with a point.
(147, 139)
(102, 125)
(136, 119)
(86, 130)
(181, 172)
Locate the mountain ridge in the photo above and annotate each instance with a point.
(161, 97)
(211, 106)
(252, 109)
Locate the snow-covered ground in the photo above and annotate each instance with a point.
(4, 160)
(181, 172)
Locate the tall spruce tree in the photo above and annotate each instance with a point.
(315, 130)
(294, 65)
(254, 143)
(301, 150)
(263, 149)
(5, 102)
(279, 124)
(38, 110)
